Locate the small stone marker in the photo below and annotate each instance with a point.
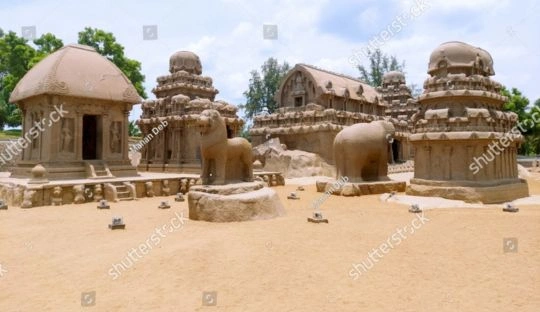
(510, 208)
(317, 218)
(3, 205)
(117, 223)
(293, 196)
(392, 194)
(179, 197)
(415, 208)
(103, 204)
(164, 205)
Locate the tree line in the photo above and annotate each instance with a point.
(18, 56)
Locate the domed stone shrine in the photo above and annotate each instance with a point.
(465, 145)
(75, 105)
(180, 98)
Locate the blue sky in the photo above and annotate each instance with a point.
(227, 34)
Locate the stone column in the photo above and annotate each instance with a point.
(78, 135)
(427, 173)
(105, 125)
(447, 169)
(503, 163)
(24, 131)
(125, 135)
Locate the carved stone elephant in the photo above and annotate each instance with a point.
(361, 151)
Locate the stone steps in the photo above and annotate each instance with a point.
(97, 169)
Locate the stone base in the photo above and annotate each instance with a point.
(359, 188)
(117, 226)
(491, 194)
(313, 220)
(63, 192)
(234, 202)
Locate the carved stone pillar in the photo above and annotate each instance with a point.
(125, 135)
(78, 135)
(106, 150)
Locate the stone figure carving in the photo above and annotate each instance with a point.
(149, 186)
(67, 135)
(18, 194)
(98, 192)
(223, 160)
(116, 140)
(27, 198)
(56, 196)
(184, 187)
(165, 189)
(78, 191)
(361, 151)
(360, 90)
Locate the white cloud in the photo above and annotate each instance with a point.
(227, 34)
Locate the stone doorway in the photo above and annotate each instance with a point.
(396, 148)
(91, 139)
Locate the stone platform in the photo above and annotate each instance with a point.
(234, 202)
(488, 193)
(23, 193)
(359, 188)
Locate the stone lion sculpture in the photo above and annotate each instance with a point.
(223, 160)
(361, 151)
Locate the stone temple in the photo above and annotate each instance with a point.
(75, 106)
(180, 97)
(465, 145)
(313, 106)
(400, 107)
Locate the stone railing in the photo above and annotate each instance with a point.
(312, 117)
(407, 166)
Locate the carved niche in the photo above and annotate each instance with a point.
(67, 135)
(115, 137)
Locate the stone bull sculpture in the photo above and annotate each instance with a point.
(361, 151)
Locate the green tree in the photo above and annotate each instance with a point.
(517, 103)
(134, 130)
(532, 139)
(379, 64)
(263, 87)
(46, 44)
(106, 45)
(15, 61)
(17, 57)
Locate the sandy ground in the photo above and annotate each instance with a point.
(453, 261)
